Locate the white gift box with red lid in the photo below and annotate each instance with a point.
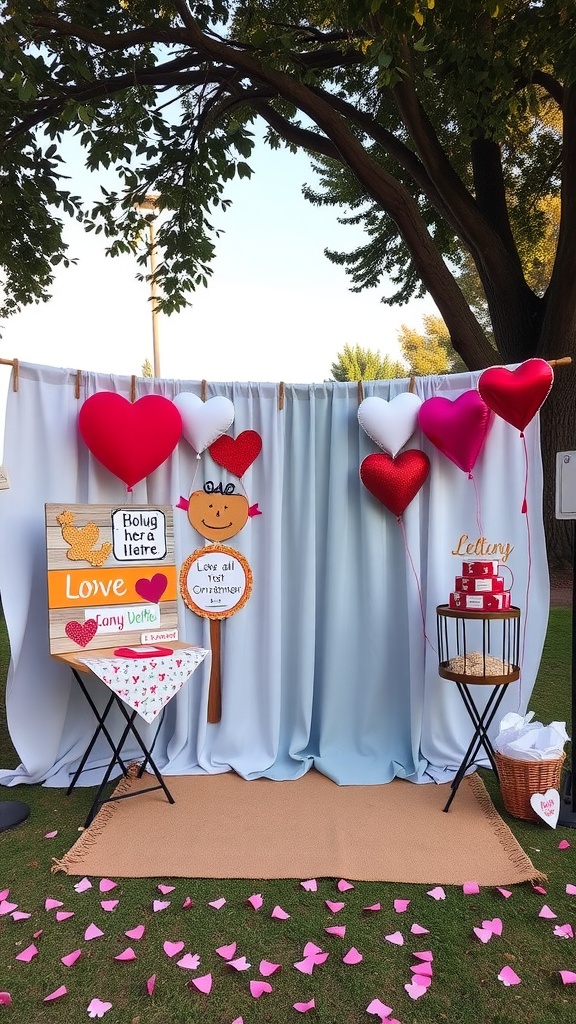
(480, 584)
(480, 602)
(480, 568)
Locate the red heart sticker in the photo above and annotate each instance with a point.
(395, 482)
(516, 395)
(151, 590)
(81, 632)
(237, 454)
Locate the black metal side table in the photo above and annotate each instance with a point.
(478, 648)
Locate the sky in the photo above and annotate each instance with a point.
(275, 308)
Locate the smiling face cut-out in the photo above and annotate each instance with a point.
(217, 513)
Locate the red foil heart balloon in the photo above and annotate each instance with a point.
(395, 482)
(237, 454)
(130, 438)
(516, 395)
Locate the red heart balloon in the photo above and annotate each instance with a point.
(130, 438)
(237, 454)
(516, 395)
(395, 482)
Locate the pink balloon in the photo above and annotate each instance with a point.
(457, 428)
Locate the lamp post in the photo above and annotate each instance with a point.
(150, 202)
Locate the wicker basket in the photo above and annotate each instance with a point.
(519, 780)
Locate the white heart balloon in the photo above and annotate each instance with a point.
(547, 806)
(390, 424)
(203, 422)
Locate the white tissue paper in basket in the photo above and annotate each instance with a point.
(525, 740)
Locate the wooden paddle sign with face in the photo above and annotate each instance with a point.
(217, 512)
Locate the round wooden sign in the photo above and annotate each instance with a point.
(215, 581)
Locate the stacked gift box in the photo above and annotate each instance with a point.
(480, 588)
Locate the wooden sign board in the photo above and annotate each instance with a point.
(112, 577)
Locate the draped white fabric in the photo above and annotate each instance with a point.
(330, 663)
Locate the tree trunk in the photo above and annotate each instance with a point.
(558, 431)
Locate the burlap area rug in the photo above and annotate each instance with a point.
(224, 827)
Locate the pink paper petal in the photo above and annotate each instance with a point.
(509, 977)
(424, 969)
(127, 954)
(63, 915)
(37, 934)
(227, 952)
(255, 901)
(320, 958)
(304, 1007)
(470, 888)
(333, 906)
(239, 964)
(483, 934)
(426, 955)
(506, 893)
(414, 990)
(27, 954)
(571, 889)
(172, 948)
(494, 926)
(353, 956)
(83, 885)
(279, 915)
(310, 949)
(424, 980)
(417, 929)
(71, 958)
(238, 1020)
(563, 844)
(97, 1008)
(5, 999)
(311, 885)
(259, 988)
(189, 962)
(267, 968)
(396, 938)
(305, 966)
(51, 835)
(217, 904)
(437, 893)
(159, 905)
(339, 930)
(106, 884)
(135, 933)
(203, 984)
(344, 886)
(401, 906)
(564, 931)
(151, 984)
(57, 994)
(379, 1008)
(6, 907)
(20, 915)
(568, 977)
(4, 894)
(165, 889)
(92, 932)
(373, 907)
(109, 904)
(188, 902)
(546, 912)
(51, 904)
(540, 889)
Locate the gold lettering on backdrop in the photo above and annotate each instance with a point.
(483, 547)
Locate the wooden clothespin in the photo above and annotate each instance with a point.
(281, 395)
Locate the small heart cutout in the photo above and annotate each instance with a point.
(81, 633)
(151, 590)
(546, 806)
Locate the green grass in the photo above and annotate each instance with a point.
(464, 988)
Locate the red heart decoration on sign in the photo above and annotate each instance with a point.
(151, 590)
(516, 395)
(130, 438)
(395, 482)
(81, 632)
(237, 454)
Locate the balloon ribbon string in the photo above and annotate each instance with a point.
(478, 516)
(524, 502)
(427, 639)
(529, 570)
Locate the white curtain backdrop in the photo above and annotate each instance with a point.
(328, 664)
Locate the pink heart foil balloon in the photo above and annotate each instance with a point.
(457, 428)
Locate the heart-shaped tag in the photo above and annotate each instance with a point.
(81, 633)
(237, 454)
(546, 806)
(203, 422)
(395, 482)
(516, 395)
(151, 590)
(130, 438)
(390, 424)
(457, 428)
